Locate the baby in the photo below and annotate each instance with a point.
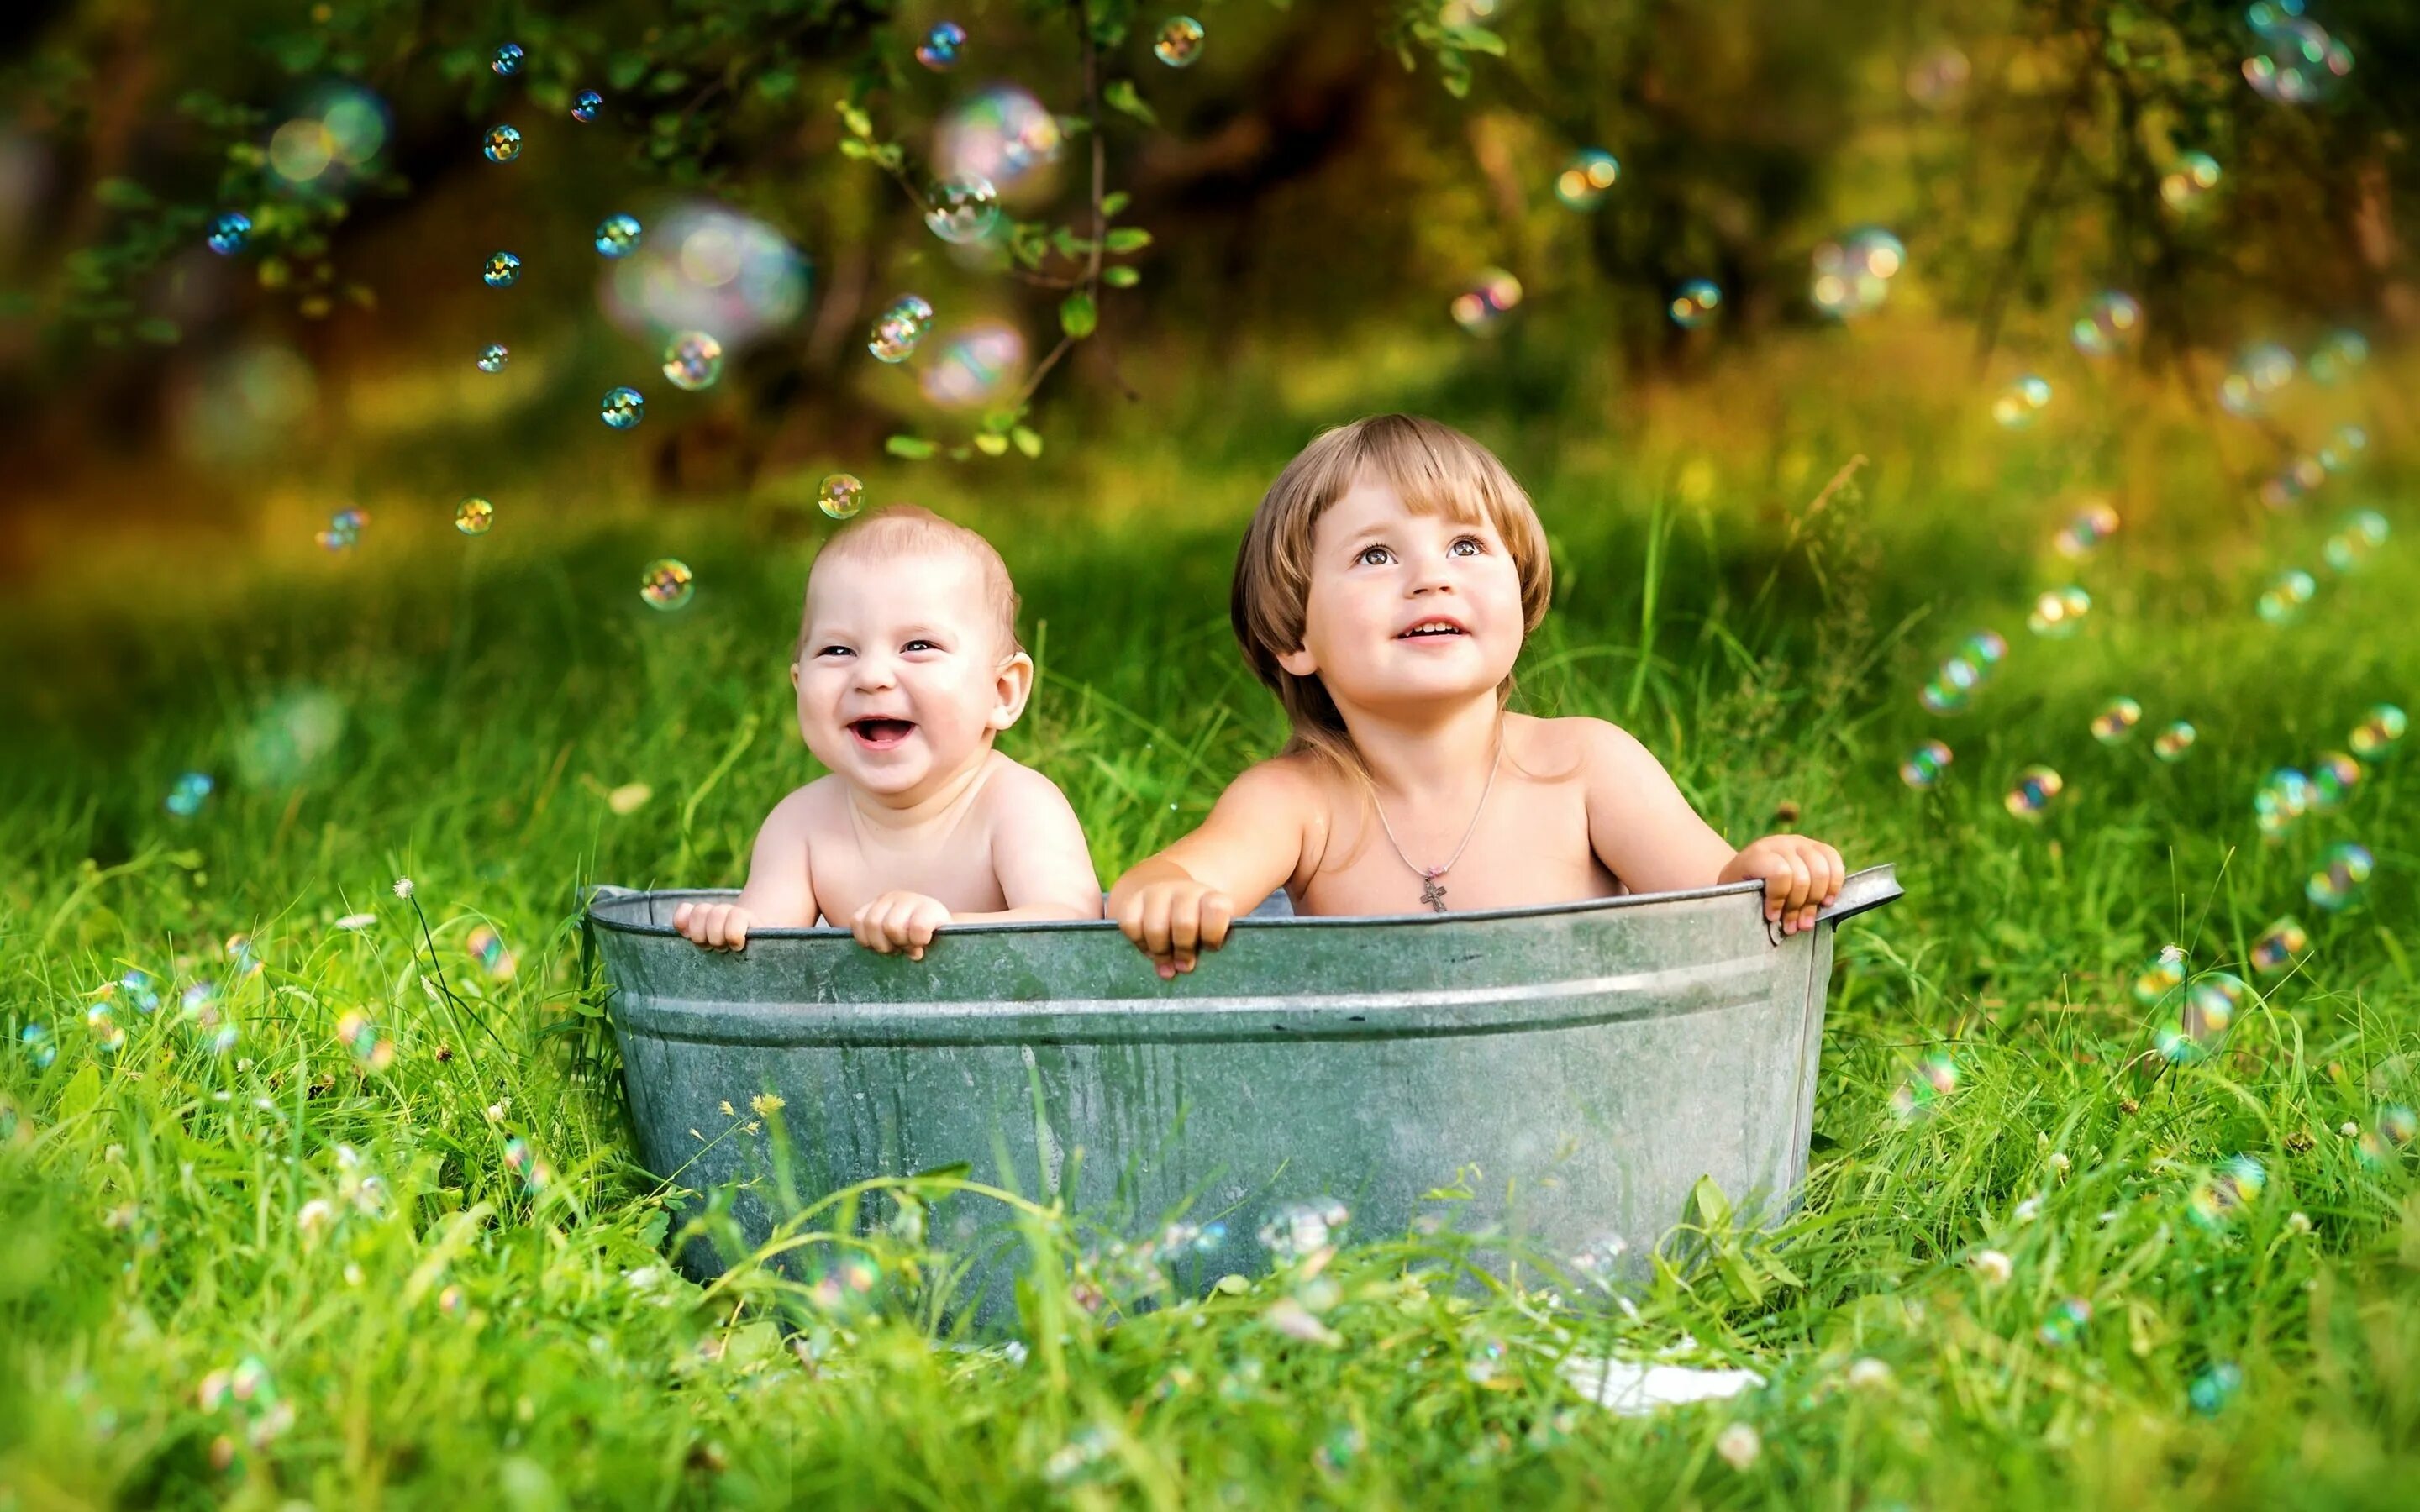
(907, 667)
(1383, 590)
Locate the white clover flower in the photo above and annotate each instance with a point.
(2059, 1162)
(2299, 1223)
(1867, 1371)
(403, 887)
(1993, 1266)
(1739, 1445)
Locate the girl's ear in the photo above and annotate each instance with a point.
(1012, 686)
(1300, 661)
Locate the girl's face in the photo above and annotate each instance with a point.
(1406, 611)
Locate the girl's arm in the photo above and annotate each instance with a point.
(780, 893)
(1177, 904)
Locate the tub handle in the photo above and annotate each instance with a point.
(1861, 891)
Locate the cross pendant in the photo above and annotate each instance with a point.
(1433, 892)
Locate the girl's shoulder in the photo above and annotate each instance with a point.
(1573, 746)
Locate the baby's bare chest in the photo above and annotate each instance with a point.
(848, 870)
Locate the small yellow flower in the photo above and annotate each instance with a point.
(766, 1105)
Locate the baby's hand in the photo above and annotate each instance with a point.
(899, 921)
(1800, 875)
(716, 926)
(1173, 922)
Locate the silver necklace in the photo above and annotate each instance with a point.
(1432, 888)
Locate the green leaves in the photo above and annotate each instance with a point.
(1121, 277)
(1078, 315)
(1120, 96)
(1126, 239)
(913, 448)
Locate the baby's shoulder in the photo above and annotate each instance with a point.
(1011, 786)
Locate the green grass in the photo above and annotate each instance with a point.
(458, 1330)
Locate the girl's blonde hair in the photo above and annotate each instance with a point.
(1435, 470)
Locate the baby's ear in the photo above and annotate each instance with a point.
(794, 675)
(1012, 686)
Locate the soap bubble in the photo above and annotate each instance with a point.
(502, 271)
(1293, 1230)
(2196, 175)
(508, 58)
(963, 209)
(2340, 878)
(2337, 354)
(2022, 402)
(473, 517)
(2347, 443)
(359, 1034)
(1002, 137)
(1585, 179)
(2036, 789)
(135, 991)
(2108, 324)
(2220, 1198)
(2171, 744)
(2278, 945)
(522, 1162)
(839, 495)
(2334, 777)
(2357, 537)
(2066, 1322)
(1984, 648)
(2059, 613)
(2293, 61)
(344, 528)
(692, 361)
(2115, 724)
(1940, 696)
(2161, 975)
(2286, 487)
(2209, 1005)
(334, 136)
(1934, 1078)
(1694, 303)
(2396, 1127)
(1599, 1261)
(187, 795)
(108, 1035)
(35, 1041)
(702, 267)
(586, 106)
(229, 232)
(2083, 536)
(2380, 728)
(488, 949)
(979, 364)
(1480, 307)
(898, 330)
(1853, 274)
(666, 583)
(502, 145)
(1179, 44)
(290, 738)
(2281, 801)
(1937, 79)
(938, 51)
(2283, 600)
(2260, 370)
(1925, 764)
(493, 356)
(617, 236)
(622, 408)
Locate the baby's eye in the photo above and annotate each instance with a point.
(834, 651)
(1468, 545)
(1374, 556)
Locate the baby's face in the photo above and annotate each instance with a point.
(903, 677)
(1407, 609)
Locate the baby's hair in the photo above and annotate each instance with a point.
(898, 531)
(1435, 470)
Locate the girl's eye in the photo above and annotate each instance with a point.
(919, 646)
(1474, 546)
(1374, 556)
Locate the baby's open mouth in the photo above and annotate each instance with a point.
(881, 734)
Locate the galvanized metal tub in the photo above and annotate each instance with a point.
(1576, 1068)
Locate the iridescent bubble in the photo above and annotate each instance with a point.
(35, 1041)
(344, 528)
(2380, 730)
(2281, 801)
(622, 408)
(502, 145)
(1934, 1078)
(358, 1033)
(586, 106)
(938, 51)
(508, 58)
(2357, 537)
(2161, 975)
(229, 232)
(1938, 77)
(1941, 697)
(897, 332)
(1694, 303)
(135, 991)
(2334, 777)
(290, 738)
(1179, 44)
(2340, 878)
(502, 271)
(493, 356)
(473, 517)
(1585, 179)
(2278, 945)
(839, 495)
(2282, 602)
(2083, 534)
(1853, 274)
(1925, 764)
(962, 209)
(1294, 1230)
(2115, 724)
(2066, 1322)
(2288, 487)
(1599, 1261)
(979, 364)
(2396, 1127)
(2108, 324)
(1003, 137)
(2260, 370)
(2294, 61)
(2022, 402)
(1481, 306)
(522, 1162)
(693, 360)
(2220, 1198)
(617, 236)
(2059, 613)
(1984, 648)
(2196, 175)
(702, 267)
(2337, 354)
(488, 949)
(666, 584)
(2209, 1004)
(108, 1035)
(187, 793)
(2347, 443)
(2036, 789)
(2173, 743)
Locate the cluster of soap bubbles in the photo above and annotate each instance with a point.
(1694, 303)
(938, 51)
(2059, 613)
(1296, 1230)
(2022, 402)
(2193, 175)
(2293, 60)
(900, 328)
(1179, 44)
(840, 496)
(1484, 303)
(666, 584)
(1934, 1078)
(1181, 1240)
(187, 795)
(1964, 673)
(1852, 273)
(2107, 324)
(344, 530)
(1585, 179)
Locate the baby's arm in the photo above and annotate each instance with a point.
(1179, 903)
(779, 894)
(1647, 835)
(1037, 856)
